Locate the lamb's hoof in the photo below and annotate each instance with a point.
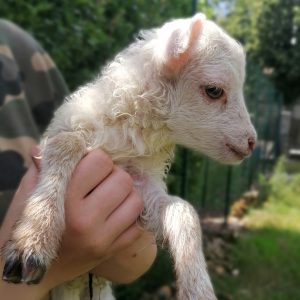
(12, 271)
(31, 272)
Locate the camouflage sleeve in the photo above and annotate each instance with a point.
(31, 87)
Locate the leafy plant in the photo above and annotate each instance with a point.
(81, 35)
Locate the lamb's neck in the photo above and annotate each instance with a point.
(133, 90)
(135, 104)
(125, 139)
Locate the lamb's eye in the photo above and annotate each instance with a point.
(214, 92)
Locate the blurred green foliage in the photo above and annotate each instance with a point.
(81, 35)
(285, 187)
(270, 32)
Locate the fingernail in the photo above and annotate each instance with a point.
(35, 152)
(35, 156)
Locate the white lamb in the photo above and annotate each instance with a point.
(178, 84)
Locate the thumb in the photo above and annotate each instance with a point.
(36, 157)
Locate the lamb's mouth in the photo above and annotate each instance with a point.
(237, 152)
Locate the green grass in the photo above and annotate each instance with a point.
(268, 254)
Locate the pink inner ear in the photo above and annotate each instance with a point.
(195, 32)
(178, 59)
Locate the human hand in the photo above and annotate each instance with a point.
(101, 209)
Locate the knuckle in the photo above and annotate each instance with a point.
(103, 159)
(124, 180)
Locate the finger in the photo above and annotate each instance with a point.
(89, 172)
(35, 151)
(125, 215)
(36, 157)
(110, 193)
(130, 236)
(29, 181)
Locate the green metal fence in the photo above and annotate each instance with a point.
(210, 186)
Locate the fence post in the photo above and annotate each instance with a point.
(194, 6)
(205, 181)
(227, 194)
(184, 166)
(278, 126)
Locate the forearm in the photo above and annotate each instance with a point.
(17, 291)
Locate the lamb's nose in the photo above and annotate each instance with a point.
(251, 143)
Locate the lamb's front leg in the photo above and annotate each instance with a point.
(177, 223)
(181, 227)
(36, 237)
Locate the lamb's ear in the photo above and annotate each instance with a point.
(180, 39)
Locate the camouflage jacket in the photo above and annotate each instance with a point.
(31, 87)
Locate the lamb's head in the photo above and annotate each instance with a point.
(205, 69)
